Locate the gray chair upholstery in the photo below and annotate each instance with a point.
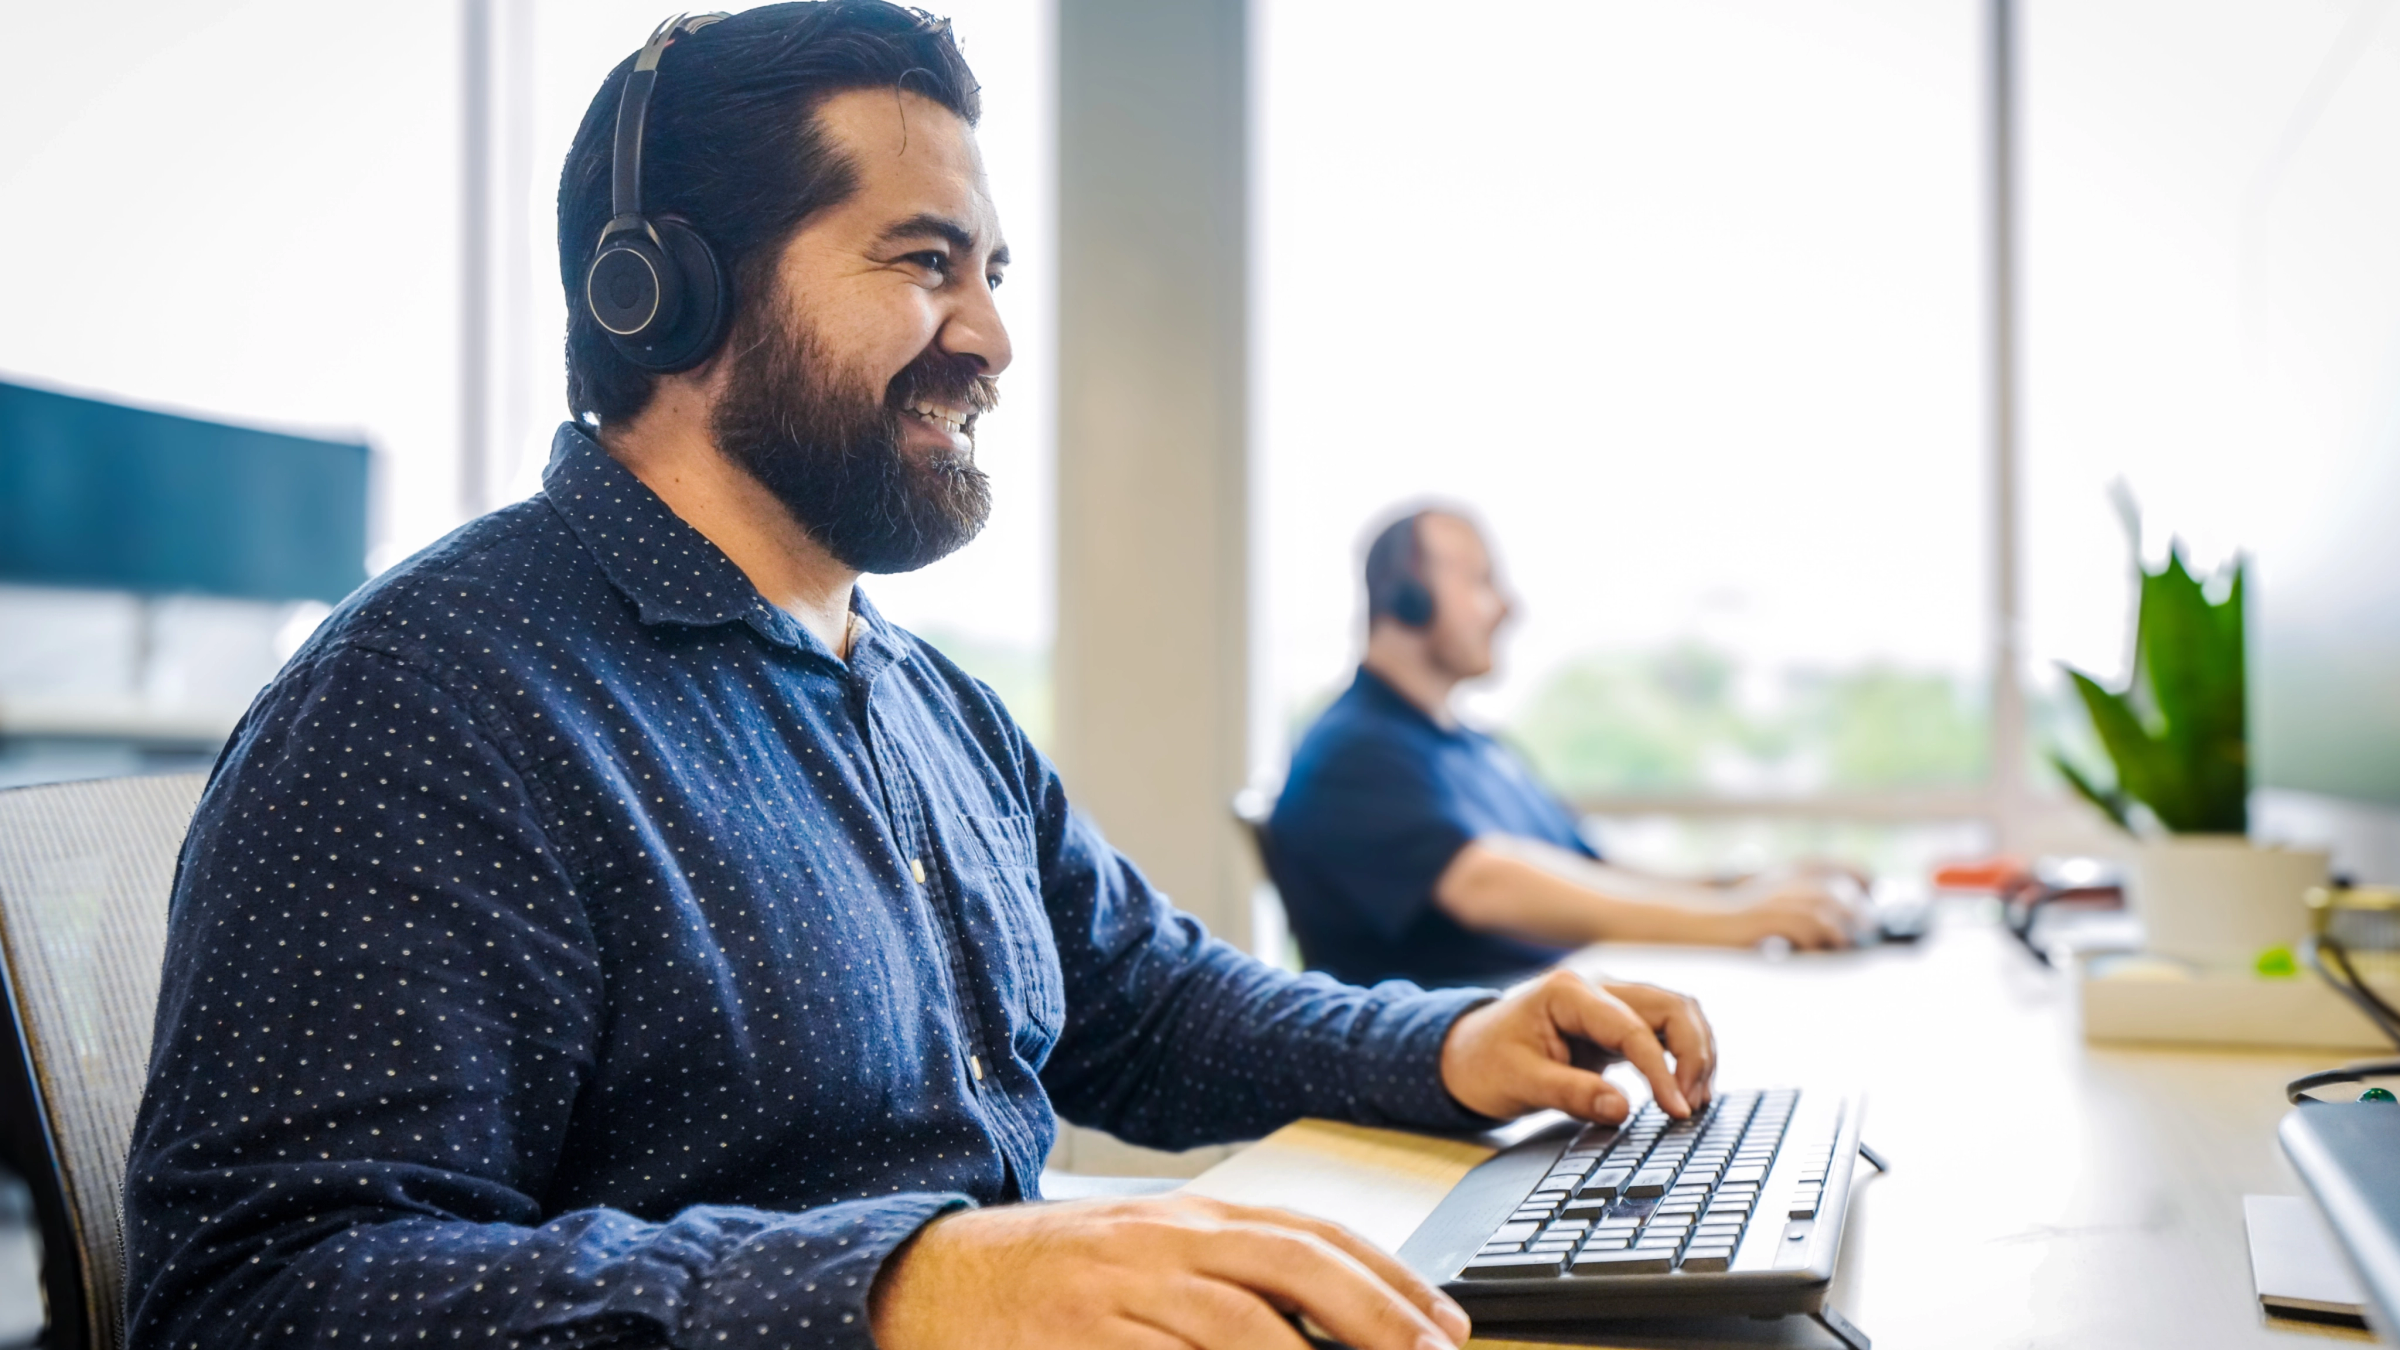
(85, 872)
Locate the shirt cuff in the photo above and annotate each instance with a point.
(805, 1282)
(1402, 1084)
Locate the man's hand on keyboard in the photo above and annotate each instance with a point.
(1150, 1274)
(1515, 1055)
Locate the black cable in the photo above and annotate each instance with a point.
(2296, 1091)
(2317, 950)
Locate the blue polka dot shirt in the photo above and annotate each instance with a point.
(570, 949)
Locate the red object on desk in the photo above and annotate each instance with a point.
(2001, 873)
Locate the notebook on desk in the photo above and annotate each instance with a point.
(1738, 1210)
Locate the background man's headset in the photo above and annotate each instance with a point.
(654, 285)
(1398, 564)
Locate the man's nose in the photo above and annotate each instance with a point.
(975, 329)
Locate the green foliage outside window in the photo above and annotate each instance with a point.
(1671, 721)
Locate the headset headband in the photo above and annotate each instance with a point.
(633, 113)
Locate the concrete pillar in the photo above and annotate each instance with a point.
(1152, 656)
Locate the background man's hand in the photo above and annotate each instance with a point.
(1150, 1274)
(1813, 912)
(1516, 1055)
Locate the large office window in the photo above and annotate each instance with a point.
(2212, 277)
(1685, 301)
(1689, 302)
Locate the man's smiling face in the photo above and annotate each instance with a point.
(851, 384)
(908, 264)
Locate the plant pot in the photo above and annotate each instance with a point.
(2218, 899)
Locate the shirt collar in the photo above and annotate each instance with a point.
(670, 571)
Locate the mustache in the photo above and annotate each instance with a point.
(952, 378)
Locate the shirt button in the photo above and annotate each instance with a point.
(975, 1066)
(916, 868)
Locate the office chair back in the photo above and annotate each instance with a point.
(1252, 810)
(85, 872)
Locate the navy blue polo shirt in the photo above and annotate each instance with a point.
(571, 950)
(1379, 800)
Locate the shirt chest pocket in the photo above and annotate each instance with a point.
(1003, 886)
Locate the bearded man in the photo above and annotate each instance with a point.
(610, 930)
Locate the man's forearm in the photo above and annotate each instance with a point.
(1538, 891)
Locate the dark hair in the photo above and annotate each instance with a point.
(733, 147)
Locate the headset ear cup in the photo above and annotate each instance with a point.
(632, 290)
(1412, 604)
(688, 336)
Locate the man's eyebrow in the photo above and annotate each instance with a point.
(926, 223)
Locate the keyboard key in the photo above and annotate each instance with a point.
(1651, 1181)
(1514, 1232)
(1629, 1262)
(1501, 1249)
(1583, 1209)
(1700, 1260)
(1745, 1172)
(1804, 1208)
(1524, 1266)
(1606, 1183)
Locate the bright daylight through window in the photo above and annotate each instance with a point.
(1684, 302)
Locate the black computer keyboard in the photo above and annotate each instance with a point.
(1738, 1210)
(1657, 1194)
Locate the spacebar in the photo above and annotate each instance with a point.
(1632, 1261)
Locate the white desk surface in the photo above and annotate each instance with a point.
(2043, 1192)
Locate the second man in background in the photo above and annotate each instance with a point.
(1410, 845)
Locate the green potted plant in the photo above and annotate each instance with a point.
(2177, 738)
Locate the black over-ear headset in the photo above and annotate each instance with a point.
(654, 285)
(1396, 567)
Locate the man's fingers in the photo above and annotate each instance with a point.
(1210, 1314)
(1686, 1032)
(1300, 1269)
(1435, 1304)
(1581, 1093)
(1579, 1008)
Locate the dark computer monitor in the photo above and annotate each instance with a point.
(97, 494)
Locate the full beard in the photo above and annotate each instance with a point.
(830, 450)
